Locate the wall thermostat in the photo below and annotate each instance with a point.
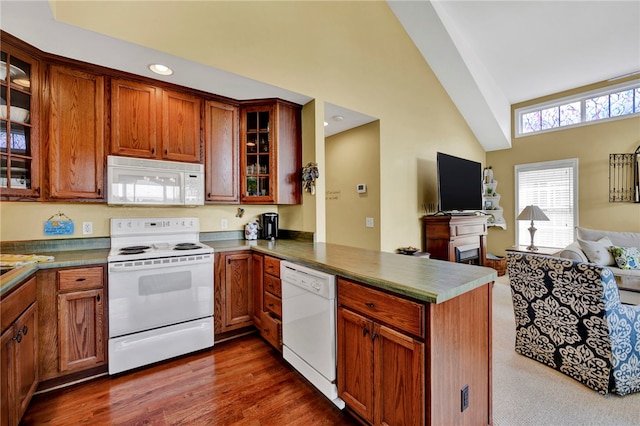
(361, 188)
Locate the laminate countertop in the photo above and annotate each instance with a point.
(429, 280)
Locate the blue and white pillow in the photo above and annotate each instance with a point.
(626, 257)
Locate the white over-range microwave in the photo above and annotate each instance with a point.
(135, 181)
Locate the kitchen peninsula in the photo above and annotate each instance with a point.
(443, 351)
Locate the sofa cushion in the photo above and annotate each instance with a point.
(626, 257)
(620, 239)
(598, 251)
(574, 252)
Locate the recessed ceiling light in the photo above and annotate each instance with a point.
(160, 69)
(338, 117)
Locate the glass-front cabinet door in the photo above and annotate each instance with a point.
(257, 149)
(19, 175)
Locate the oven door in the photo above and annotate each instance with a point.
(147, 294)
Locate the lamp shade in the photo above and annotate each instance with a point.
(532, 213)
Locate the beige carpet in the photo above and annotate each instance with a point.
(526, 392)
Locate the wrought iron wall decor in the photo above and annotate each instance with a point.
(624, 177)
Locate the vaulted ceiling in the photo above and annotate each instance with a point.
(488, 55)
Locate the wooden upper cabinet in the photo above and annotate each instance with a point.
(19, 123)
(221, 152)
(75, 134)
(135, 119)
(149, 122)
(270, 152)
(181, 127)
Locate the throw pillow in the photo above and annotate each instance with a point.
(598, 251)
(626, 257)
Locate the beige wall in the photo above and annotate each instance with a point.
(352, 54)
(353, 157)
(591, 145)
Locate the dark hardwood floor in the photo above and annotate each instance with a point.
(238, 382)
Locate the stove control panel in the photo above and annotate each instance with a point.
(152, 226)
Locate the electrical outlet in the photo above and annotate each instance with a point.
(368, 222)
(87, 228)
(464, 398)
(223, 224)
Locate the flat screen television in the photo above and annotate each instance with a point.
(459, 184)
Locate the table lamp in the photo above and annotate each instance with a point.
(532, 213)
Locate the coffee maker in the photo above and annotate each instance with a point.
(269, 226)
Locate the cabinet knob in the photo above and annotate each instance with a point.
(98, 297)
(80, 279)
(365, 331)
(18, 337)
(369, 305)
(99, 191)
(373, 336)
(166, 151)
(25, 330)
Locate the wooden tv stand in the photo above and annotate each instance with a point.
(456, 238)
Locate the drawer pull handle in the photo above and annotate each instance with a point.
(365, 331)
(373, 336)
(25, 330)
(98, 297)
(18, 337)
(80, 279)
(271, 304)
(369, 305)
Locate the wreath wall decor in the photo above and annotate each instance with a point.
(309, 175)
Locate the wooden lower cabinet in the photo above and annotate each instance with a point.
(80, 325)
(405, 362)
(268, 299)
(73, 324)
(380, 370)
(18, 352)
(233, 291)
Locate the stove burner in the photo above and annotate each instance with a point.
(186, 246)
(134, 249)
(127, 252)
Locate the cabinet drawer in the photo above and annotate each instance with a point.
(272, 266)
(401, 314)
(80, 279)
(273, 285)
(271, 330)
(17, 302)
(272, 304)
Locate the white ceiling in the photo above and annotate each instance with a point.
(491, 54)
(487, 54)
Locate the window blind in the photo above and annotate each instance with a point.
(552, 186)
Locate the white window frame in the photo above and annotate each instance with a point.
(580, 97)
(545, 165)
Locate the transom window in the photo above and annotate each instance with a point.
(610, 103)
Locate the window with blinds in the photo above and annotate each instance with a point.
(552, 186)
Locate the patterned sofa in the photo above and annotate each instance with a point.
(569, 317)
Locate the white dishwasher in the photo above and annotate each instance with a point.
(309, 326)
